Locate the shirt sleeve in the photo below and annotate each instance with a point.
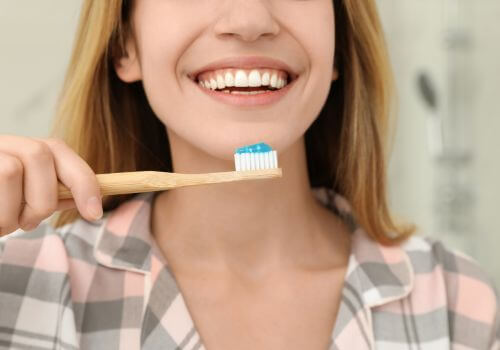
(472, 299)
(35, 290)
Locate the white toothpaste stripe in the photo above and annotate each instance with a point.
(247, 161)
(255, 161)
(242, 161)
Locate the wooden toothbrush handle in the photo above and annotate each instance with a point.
(118, 183)
(150, 181)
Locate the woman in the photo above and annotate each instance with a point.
(310, 261)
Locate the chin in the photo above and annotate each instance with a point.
(225, 148)
(221, 139)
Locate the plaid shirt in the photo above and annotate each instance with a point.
(105, 285)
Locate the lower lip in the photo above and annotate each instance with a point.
(260, 99)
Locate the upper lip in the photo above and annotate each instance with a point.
(246, 62)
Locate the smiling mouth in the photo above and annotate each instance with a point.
(241, 83)
(255, 96)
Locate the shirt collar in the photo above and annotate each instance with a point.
(377, 273)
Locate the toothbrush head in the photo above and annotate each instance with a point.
(255, 157)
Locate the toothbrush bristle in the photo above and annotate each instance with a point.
(255, 157)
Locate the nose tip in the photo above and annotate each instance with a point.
(247, 20)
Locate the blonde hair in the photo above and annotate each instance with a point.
(112, 127)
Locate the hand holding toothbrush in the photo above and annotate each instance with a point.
(41, 176)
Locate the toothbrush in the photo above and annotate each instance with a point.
(252, 162)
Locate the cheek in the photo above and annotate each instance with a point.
(159, 61)
(318, 35)
(158, 57)
(312, 24)
(165, 30)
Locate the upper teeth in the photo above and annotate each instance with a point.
(223, 78)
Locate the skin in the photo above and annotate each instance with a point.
(268, 240)
(29, 171)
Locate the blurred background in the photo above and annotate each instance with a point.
(445, 166)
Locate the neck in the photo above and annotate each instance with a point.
(243, 225)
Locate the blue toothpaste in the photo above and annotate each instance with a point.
(255, 157)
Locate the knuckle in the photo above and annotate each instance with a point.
(10, 168)
(38, 150)
(38, 214)
(29, 225)
(3, 231)
(8, 228)
(56, 142)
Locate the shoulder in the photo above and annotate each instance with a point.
(447, 277)
(429, 255)
(44, 255)
(29, 247)
(35, 289)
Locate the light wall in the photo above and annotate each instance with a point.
(416, 32)
(36, 39)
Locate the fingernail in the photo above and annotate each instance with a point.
(94, 208)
